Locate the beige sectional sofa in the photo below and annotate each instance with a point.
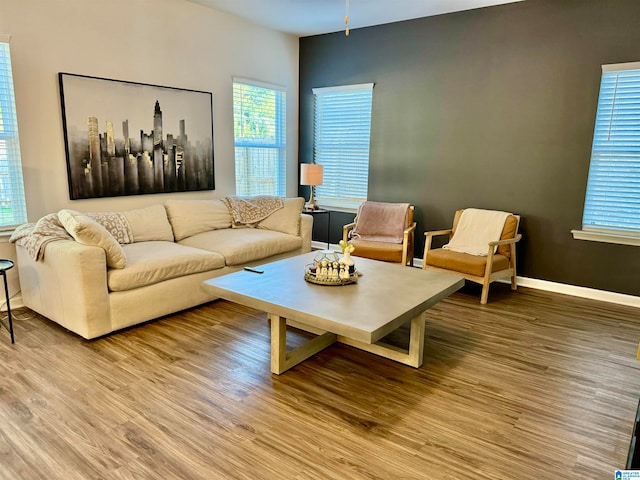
(94, 284)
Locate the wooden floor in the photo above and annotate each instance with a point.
(533, 385)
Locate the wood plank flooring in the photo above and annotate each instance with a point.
(533, 385)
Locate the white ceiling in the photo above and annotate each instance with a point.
(313, 17)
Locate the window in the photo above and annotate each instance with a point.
(341, 134)
(612, 203)
(259, 112)
(13, 210)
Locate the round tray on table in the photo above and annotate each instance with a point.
(311, 278)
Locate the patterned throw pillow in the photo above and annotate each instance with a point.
(116, 224)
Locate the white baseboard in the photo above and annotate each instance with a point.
(576, 291)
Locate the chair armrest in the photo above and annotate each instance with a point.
(427, 242)
(506, 241)
(412, 228)
(434, 233)
(407, 244)
(346, 229)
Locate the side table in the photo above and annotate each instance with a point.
(322, 212)
(4, 266)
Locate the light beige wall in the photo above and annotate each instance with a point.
(9, 253)
(173, 43)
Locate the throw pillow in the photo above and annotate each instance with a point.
(115, 223)
(287, 219)
(189, 217)
(87, 231)
(150, 223)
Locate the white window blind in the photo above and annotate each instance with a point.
(342, 131)
(13, 210)
(259, 113)
(613, 190)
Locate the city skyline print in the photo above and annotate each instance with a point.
(127, 138)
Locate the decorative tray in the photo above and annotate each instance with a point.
(310, 277)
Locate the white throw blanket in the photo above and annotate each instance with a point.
(476, 228)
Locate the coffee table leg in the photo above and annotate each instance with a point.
(281, 360)
(412, 356)
(416, 341)
(278, 343)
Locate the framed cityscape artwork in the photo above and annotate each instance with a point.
(126, 138)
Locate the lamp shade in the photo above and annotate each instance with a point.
(311, 174)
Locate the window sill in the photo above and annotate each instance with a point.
(5, 235)
(606, 237)
(345, 207)
(340, 209)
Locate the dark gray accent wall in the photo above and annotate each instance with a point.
(489, 108)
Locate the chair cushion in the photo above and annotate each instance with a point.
(387, 252)
(509, 231)
(155, 261)
(244, 245)
(464, 262)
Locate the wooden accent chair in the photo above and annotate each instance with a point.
(382, 250)
(499, 262)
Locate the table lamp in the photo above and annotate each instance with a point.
(311, 174)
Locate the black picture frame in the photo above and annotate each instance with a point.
(129, 138)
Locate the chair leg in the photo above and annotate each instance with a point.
(485, 292)
(514, 285)
(487, 277)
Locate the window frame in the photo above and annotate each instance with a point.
(279, 143)
(10, 138)
(334, 180)
(594, 231)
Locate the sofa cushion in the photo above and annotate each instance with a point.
(244, 245)
(155, 261)
(87, 231)
(286, 219)
(188, 217)
(149, 224)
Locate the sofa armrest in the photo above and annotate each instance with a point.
(69, 286)
(306, 230)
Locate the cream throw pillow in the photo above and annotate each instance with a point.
(286, 219)
(189, 217)
(149, 223)
(87, 231)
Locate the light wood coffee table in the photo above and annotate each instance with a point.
(385, 297)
